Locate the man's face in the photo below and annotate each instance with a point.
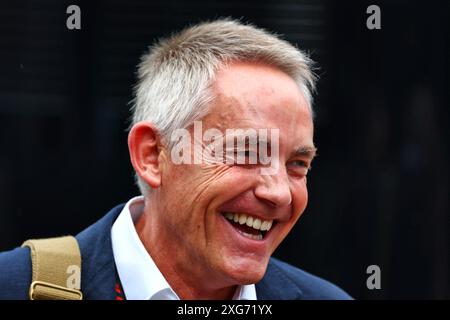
(200, 202)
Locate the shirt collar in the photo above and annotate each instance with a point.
(138, 273)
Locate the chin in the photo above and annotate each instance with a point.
(245, 271)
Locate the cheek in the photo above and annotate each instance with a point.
(177, 179)
(176, 196)
(191, 188)
(299, 202)
(299, 198)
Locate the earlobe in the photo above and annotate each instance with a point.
(143, 145)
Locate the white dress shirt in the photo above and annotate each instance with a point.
(138, 273)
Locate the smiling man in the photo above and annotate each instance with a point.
(204, 227)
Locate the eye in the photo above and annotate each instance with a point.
(299, 167)
(299, 163)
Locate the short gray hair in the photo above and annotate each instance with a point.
(175, 76)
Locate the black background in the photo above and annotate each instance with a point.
(378, 190)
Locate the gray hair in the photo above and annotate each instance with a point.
(175, 76)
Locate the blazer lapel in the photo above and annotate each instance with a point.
(275, 285)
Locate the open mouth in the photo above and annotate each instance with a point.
(249, 226)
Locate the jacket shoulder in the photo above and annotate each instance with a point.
(284, 281)
(15, 274)
(98, 271)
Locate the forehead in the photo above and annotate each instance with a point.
(258, 96)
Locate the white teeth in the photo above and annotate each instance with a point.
(256, 224)
(251, 236)
(264, 226)
(250, 221)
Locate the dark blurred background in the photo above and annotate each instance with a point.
(378, 191)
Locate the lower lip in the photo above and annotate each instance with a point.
(245, 243)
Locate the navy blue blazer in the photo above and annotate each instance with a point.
(281, 281)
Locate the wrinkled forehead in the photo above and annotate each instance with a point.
(258, 96)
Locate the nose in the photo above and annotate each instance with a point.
(274, 189)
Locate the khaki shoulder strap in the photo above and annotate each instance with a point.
(56, 264)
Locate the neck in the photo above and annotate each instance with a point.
(185, 275)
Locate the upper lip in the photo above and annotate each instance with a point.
(254, 215)
(257, 210)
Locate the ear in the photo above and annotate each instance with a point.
(143, 145)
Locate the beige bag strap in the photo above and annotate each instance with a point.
(56, 264)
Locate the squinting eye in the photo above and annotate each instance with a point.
(299, 163)
(299, 167)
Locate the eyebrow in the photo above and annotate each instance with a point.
(306, 151)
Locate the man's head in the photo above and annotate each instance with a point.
(222, 220)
